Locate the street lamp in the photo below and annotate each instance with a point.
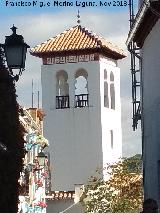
(15, 50)
(38, 163)
(41, 159)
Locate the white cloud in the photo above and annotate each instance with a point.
(40, 27)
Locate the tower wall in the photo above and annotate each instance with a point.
(80, 138)
(111, 118)
(74, 133)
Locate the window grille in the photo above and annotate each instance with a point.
(81, 100)
(62, 102)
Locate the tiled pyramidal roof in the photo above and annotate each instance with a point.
(76, 39)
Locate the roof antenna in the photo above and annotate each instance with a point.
(78, 16)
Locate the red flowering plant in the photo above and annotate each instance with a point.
(39, 183)
(44, 174)
(41, 204)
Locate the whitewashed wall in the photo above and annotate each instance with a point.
(78, 143)
(151, 112)
(111, 119)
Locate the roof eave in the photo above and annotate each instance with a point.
(138, 21)
(105, 51)
(36, 54)
(64, 52)
(113, 54)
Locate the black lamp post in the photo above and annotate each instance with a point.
(15, 50)
(11, 133)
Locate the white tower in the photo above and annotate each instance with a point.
(81, 100)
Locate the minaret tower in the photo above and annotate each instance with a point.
(81, 100)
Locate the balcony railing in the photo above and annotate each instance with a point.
(81, 100)
(62, 102)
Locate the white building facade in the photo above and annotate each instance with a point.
(34, 179)
(146, 33)
(81, 100)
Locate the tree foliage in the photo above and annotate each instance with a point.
(120, 193)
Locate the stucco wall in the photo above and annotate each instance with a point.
(151, 108)
(111, 119)
(75, 134)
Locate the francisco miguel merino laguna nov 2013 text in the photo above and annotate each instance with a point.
(66, 3)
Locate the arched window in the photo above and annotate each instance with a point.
(106, 99)
(81, 88)
(112, 91)
(62, 90)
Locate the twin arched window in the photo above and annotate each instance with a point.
(81, 89)
(109, 90)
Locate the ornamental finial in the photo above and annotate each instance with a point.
(13, 29)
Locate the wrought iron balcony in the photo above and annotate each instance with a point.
(81, 100)
(62, 102)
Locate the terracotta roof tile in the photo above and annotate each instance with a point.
(75, 39)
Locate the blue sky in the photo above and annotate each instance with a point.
(39, 24)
